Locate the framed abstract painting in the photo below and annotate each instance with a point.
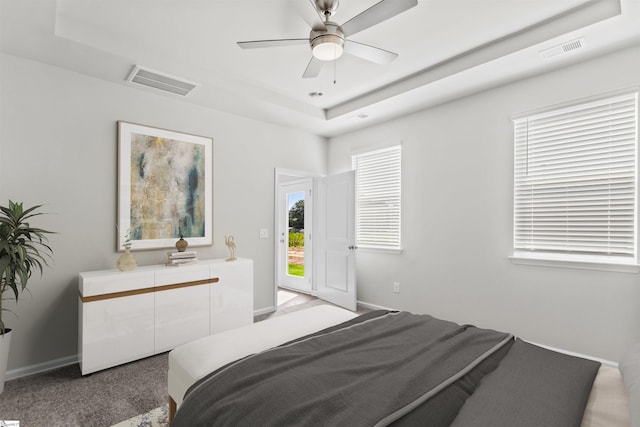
(165, 187)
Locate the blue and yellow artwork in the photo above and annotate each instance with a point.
(167, 188)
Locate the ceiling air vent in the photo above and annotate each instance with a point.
(360, 116)
(562, 48)
(157, 80)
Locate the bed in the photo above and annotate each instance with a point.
(327, 366)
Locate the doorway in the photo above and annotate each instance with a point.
(324, 238)
(295, 222)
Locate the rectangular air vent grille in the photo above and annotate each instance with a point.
(161, 81)
(562, 48)
(360, 116)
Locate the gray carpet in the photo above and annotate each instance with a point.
(63, 397)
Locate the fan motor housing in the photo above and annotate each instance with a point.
(333, 36)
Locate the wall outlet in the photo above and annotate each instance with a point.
(396, 287)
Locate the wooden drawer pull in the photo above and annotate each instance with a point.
(123, 294)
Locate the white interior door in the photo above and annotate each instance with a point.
(335, 238)
(295, 266)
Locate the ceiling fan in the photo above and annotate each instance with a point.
(328, 40)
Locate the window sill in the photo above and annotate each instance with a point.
(379, 250)
(526, 259)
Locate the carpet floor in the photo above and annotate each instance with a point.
(63, 397)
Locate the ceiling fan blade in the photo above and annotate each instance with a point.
(370, 53)
(256, 44)
(309, 14)
(377, 13)
(313, 69)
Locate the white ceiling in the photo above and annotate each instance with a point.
(447, 49)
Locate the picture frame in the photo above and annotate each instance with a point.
(165, 188)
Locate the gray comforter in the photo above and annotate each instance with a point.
(395, 368)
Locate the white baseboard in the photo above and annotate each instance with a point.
(262, 311)
(41, 367)
(373, 306)
(367, 305)
(572, 353)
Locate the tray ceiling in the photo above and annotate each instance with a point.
(447, 49)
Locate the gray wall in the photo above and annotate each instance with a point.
(457, 221)
(58, 148)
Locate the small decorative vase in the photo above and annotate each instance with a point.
(181, 245)
(127, 261)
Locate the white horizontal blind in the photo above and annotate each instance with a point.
(575, 180)
(378, 188)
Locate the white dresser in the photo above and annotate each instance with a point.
(125, 316)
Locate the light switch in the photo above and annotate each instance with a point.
(264, 233)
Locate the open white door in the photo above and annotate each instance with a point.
(335, 262)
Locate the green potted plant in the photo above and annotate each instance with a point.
(23, 250)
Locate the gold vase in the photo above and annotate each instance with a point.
(181, 245)
(126, 261)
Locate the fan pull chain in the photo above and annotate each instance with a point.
(335, 67)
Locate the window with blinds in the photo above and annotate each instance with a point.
(378, 185)
(575, 182)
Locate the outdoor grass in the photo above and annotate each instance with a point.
(296, 270)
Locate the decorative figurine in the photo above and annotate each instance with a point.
(231, 244)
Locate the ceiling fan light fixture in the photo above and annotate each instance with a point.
(329, 49)
(327, 38)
